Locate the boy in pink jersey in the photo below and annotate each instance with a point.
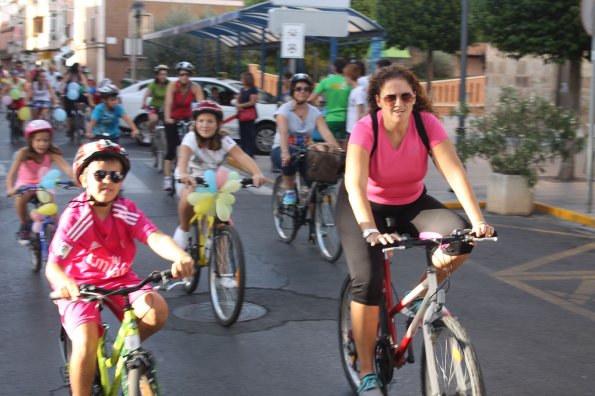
(94, 244)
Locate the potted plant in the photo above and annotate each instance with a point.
(517, 138)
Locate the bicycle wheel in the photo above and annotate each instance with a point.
(457, 367)
(35, 252)
(193, 249)
(140, 379)
(158, 147)
(15, 130)
(79, 128)
(284, 216)
(327, 235)
(349, 359)
(227, 275)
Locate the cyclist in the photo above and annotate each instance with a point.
(384, 179)
(296, 121)
(41, 95)
(75, 75)
(29, 165)
(179, 96)
(156, 91)
(19, 84)
(206, 148)
(94, 244)
(105, 119)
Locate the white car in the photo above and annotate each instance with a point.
(131, 98)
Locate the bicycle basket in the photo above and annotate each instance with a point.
(325, 163)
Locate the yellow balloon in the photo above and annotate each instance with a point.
(24, 113)
(223, 211)
(48, 209)
(203, 205)
(231, 186)
(43, 196)
(226, 198)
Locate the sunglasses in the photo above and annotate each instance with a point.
(183, 74)
(391, 99)
(303, 89)
(114, 176)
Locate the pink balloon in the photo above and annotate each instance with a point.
(221, 177)
(42, 172)
(6, 100)
(36, 227)
(35, 215)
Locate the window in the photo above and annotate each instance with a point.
(37, 26)
(91, 33)
(53, 22)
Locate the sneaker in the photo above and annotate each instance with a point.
(289, 198)
(24, 235)
(180, 238)
(370, 386)
(167, 183)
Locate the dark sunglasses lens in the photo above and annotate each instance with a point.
(406, 97)
(114, 176)
(183, 74)
(303, 89)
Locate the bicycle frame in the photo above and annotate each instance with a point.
(206, 228)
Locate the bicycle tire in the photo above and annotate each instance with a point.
(452, 345)
(193, 249)
(140, 381)
(347, 351)
(35, 252)
(49, 231)
(284, 216)
(327, 235)
(227, 289)
(15, 130)
(157, 147)
(66, 351)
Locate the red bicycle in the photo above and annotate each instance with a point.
(449, 364)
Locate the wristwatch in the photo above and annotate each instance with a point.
(369, 231)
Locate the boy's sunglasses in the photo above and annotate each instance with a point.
(391, 99)
(114, 176)
(303, 89)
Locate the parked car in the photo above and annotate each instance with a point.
(132, 96)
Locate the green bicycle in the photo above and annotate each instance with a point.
(132, 366)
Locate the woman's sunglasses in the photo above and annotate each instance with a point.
(303, 89)
(114, 176)
(391, 99)
(183, 74)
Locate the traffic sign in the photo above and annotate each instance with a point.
(316, 23)
(313, 3)
(292, 43)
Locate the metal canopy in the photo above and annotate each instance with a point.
(248, 27)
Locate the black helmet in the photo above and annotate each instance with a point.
(299, 77)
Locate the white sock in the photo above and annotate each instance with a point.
(180, 237)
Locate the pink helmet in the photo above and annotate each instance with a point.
(35, 126)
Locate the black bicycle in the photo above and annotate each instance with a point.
(315, 207)
(183, 128)
(15, 126)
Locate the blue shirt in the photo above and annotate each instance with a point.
(107, 122)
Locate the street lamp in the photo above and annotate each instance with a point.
(137, 11)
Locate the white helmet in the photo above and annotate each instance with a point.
(108, 90)
(185, 66)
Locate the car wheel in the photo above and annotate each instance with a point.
(265, 134)
(144, 135)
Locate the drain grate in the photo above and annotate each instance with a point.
(203, 312)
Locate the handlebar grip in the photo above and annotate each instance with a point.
(247, 181)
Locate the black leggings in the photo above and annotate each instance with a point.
(365, 262)
(173, 139)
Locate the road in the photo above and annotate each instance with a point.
(527, 303)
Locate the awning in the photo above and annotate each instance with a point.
(247, 27)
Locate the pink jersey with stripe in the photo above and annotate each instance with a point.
(91, 250)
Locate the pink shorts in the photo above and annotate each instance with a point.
(75, 313)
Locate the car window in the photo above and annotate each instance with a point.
(263, 96)
(218, 93)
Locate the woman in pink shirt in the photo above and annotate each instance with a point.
(94, 244)
(384, 179)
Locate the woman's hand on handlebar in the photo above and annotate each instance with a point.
(183, 267)
(482, 229)
(188, 180)
(377, 238)
(258, 179)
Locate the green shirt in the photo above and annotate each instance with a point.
(336, 91)
(158, 94)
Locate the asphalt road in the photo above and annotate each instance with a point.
(527, 303)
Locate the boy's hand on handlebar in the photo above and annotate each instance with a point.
(69, 289)
(182, 267)
(258, 179)
(188, 180)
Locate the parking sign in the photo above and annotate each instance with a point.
(292, 42)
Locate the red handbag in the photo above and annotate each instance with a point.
(247, 114)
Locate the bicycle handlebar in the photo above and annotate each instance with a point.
(407, 242)
(91, 293)
(246, 182)
(66, 184)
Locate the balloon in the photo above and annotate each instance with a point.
(59, 115)
(223, 211)
(204, 205)
(195, 197)
(53, 174)
(48, 209)
(73, 86)
(209, 177)
(233, 175)
(48, 184)
(24, 113)
(92, 90)
(221, 176)
(231, 186)
(6, 100)
(226, 198)
(72, 95)
(43, 196)
(202, 189)
(36, 227)
(35, 215)
(15, 94)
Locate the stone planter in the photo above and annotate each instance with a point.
(509, 195)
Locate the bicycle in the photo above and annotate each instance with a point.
(158, 145)
(217, 244)
(315, 207)
(78, 128)
(183, 128)
(39, 242)
(449, 364)
(15, 126)
(133, 367)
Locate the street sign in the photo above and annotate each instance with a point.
(587, 15)
(316, 23)
(313, 3)
(292, 43)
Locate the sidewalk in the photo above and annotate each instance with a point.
(566, 200)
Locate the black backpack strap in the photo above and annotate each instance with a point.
(375, 128)
(421, 131)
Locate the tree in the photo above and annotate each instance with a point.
(426, 24)
(550, 29)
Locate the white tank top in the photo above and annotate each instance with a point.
(41, 94)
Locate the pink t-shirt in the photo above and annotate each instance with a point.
(91, 250)
(28, 173)
(396, 176)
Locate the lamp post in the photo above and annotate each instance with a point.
(463, 82)
(137, 8)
